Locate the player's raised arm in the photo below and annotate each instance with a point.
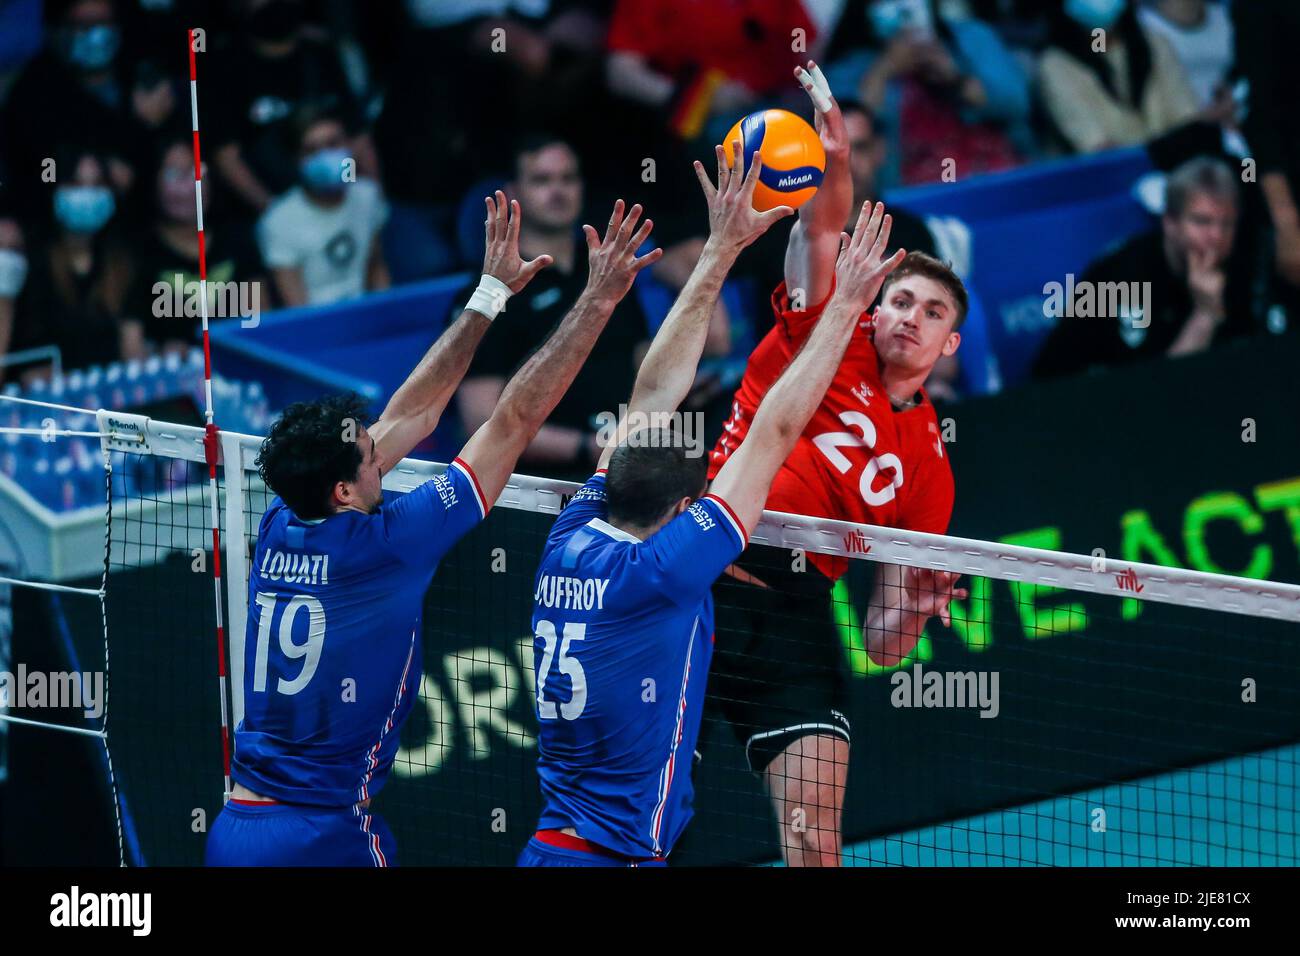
(814, 243)
(534, 391)
(744, 480)
(668, 369)
(415, 408)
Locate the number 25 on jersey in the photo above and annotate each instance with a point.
(566, 664)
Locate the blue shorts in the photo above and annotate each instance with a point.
(537, 853)
(282, 834)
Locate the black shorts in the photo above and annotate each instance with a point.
(778, 669)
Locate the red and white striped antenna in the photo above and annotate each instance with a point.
(211, 445)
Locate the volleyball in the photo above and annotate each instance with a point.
(793, 159)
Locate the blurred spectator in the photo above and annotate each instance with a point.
(13, 276)
(1199, 291)
(868, 154)
(154, 96)
(167, 252)
(1022, 24)
(512, 64)
(1267, 38)
(79, 273)
(692, 61)
(272, 68)
(154, 46)
(548, 184)
(1200, 33)
(1108, 81)
(950, 97)
(75, 95)
(321, 239)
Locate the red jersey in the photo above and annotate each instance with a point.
(859, 459)
(749, 40)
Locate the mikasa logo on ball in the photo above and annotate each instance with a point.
(785, 181)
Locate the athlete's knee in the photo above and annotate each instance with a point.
(812, 846)
(807, 784)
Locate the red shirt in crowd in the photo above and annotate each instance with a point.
(748, 40)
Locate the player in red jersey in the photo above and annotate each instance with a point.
(873, 454)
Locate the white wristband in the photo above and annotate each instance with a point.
(490, 297)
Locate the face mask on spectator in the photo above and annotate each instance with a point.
(91, 48)
(890, 17)
(1095, 14)
(322, 171)
(83, 208)
(277, 21)
(13, 272)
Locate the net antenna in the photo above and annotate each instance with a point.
(211, 435)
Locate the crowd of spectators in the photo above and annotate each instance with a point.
(348, 145)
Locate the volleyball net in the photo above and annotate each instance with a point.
(1080, 709)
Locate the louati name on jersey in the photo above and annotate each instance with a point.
(293, 568)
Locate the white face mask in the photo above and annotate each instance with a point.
(13, 273)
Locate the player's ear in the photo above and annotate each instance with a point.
(950, 346)
(339, 494)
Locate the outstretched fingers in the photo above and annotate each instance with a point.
(709, 190)
(751, 180)
(641, 236)
(490, 223)
(845, 240)
(530, 269)
(724, 168)
(860, 227)
(736, 171)
(628, 224)
(649, 259)
(775, 213)
(615, 220)
(864, 232)
(882, 238)
(512, 229)
(893, 262)
(815, 85)
(502, 215)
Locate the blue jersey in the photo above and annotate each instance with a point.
(332, 656)
(623, 639)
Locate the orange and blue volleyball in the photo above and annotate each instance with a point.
(793, 159)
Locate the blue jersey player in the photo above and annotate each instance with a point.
(623, 615)
(332, 652)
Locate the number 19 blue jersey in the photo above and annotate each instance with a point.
(623, 640)
(332, 656)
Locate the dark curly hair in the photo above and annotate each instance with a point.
(307, 452)
(647, 478)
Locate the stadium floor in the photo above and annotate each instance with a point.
(1240, 811)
